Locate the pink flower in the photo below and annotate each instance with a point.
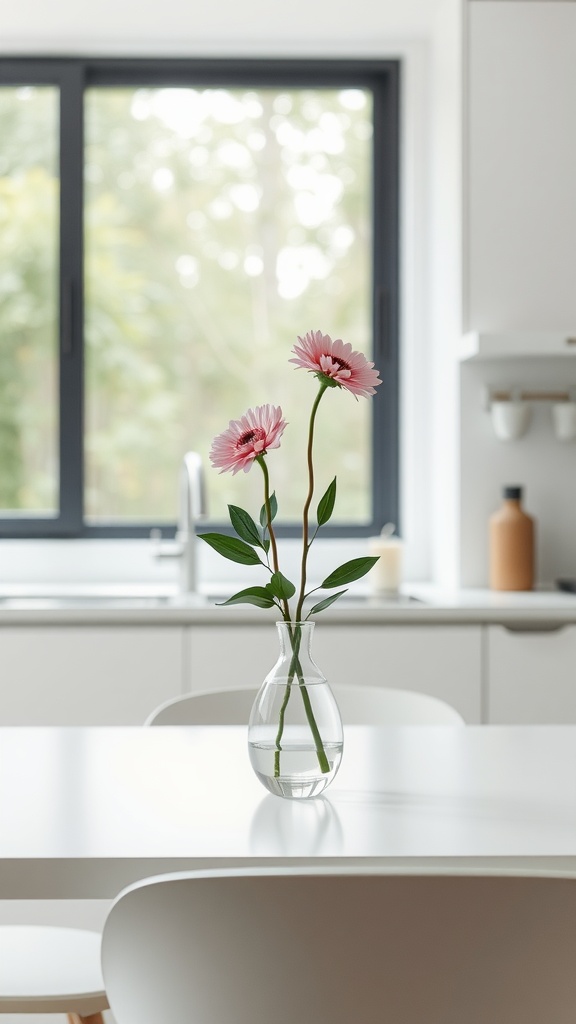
(337, 362)
(252, 435)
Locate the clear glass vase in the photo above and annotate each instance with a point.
(295, 735)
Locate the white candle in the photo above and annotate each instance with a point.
(386, 575)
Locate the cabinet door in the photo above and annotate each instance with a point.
(87, 675)
(531, 676)
(521, 98)
(220, 657)
(443, 661)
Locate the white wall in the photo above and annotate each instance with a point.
(544, 466)
(185, 26)
(520, 260)
(445, 290)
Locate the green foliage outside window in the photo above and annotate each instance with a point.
(219, 225)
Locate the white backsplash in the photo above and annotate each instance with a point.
(542, 465)
(133, 561)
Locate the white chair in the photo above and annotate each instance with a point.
(359, 705)
(52, 970)
(331, 946)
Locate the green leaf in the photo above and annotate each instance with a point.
(325, 603)
(349, 571)
(245, 526)
(229, 547)
(280, 586)
(273, 510)
(252, 595)
(326, 504)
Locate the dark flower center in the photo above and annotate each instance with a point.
(249, 437)
(341, 362)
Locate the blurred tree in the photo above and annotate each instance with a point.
(219, 225)
(28, 290)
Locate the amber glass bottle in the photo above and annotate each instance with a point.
(511, 544)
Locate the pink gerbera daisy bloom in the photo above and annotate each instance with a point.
(337, 363)
(252, 435)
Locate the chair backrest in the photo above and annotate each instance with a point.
(210, 707)
(379, 705)
(330, 946)
(359, 705)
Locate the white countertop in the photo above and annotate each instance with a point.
(151, 605)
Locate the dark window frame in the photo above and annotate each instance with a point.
(73, 76)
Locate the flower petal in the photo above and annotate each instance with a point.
(337, 361)
(237, 447)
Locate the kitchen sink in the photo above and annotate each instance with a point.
(78, 601)
(97, 596)
(128, 596)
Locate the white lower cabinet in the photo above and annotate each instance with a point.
(531, 675)
(87, 675)
(116, 675)
(444, 661)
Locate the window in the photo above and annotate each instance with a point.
(167, 229)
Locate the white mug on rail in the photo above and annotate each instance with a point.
(564, 420)
(510, 419)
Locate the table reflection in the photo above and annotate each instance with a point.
(295, 828)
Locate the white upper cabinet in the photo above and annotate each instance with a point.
(520, 167)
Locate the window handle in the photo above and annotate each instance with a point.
(67, 317)
(382, 347)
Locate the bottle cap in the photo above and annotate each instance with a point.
(515, 493)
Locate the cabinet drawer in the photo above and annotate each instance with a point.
(531, 676)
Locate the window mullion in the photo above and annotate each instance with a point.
(71, 299)
(385, 409)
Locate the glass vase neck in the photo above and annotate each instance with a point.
(291, 633)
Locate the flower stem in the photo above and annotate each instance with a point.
(308, 502)
(262, 463)
(296, 670)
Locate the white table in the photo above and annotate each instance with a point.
(84, 812)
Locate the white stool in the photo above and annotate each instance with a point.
(52, 970)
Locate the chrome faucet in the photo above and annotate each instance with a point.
(192, 510)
